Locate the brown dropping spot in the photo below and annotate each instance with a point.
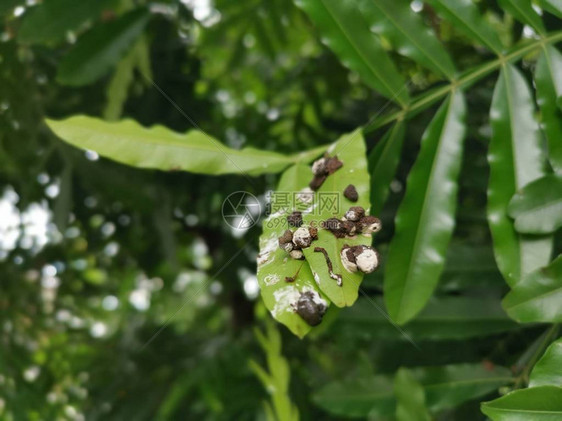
(350, 193)
(287, 237)
(335, 226)
(289, 279)
(174, 169)
(333, 275)
(313, 233)
(295, 219)
(349, 228)
(317, 182)
(333, 164)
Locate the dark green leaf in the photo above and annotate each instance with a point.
(537, 297)
(552, 6)
(548, 370)
(537, 208)
(410, 397)
(383, 161)
(443, 318)
(445, 387)
(542, 403)
(426, 216)
(464, 15)
(397, 22)
(49, 22)
(350, 149)
(118, 87)
(8, 5)
(515, 159)
(524, 12)
(274, 264)
(346, 32)
(157, 147)
(98, 50)
(548, 79)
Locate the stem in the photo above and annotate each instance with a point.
(524, 376)
(424, 100)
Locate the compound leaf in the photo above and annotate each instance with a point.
(426, 216)
(515, 159)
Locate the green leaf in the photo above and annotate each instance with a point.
(542, 403)
(548, 79)
(123, 77)
(410, 397)
(346, 32)
(9, 5)
(274, 264)
(523, 12)
(465, 17)
(98, 50)
(383, 162)
(552, 6)
(445, 387)
(350, 149)
(443, 318)
(537, 297)
(548, 370)
(426, 216)
(157, 147)
(404, 29)
(537, 208)
(50, 21)
(515, 160)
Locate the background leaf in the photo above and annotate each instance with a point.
(347, 33)
(548, 79)
(536, 298)
(350, 150)
(537, 208)
(443, 318)
(444, 386)
(465, 17)
(160, 148)
(515, 159)
(123, 77)
(50, 21)
(425, 219)
(404, 29)
(548, 370)
(537, 404)
(524, 12)
(97, 51)
(410, 397)
(552, 6)
(383, 162)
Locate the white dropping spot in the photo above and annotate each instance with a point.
(316, 278)
(306, 195)
(271, 279)
(285, 299)
(267, 247)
